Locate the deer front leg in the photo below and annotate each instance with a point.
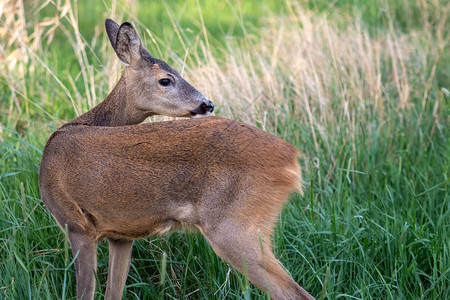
(84, 248)
(118, 266)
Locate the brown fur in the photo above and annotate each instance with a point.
(225, 178)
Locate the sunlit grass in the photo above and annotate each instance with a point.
(363, 97)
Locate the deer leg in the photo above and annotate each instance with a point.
(118, 266)
(243, 248)
(84, 248)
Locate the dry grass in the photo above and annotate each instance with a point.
(326, 77)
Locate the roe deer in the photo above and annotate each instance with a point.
(227, 179)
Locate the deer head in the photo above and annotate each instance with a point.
(149, 86)
(156, 88)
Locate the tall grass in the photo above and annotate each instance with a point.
(364, 96)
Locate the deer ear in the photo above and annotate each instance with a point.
(111, 29)
(127, 44)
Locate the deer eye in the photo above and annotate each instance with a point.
(165, 81)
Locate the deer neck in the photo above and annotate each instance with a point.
(116, 110)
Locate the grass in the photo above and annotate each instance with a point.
(360, 87)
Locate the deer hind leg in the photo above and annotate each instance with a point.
(84, 248)
(249, 252)
(118, 266)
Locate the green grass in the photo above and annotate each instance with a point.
(360, 87)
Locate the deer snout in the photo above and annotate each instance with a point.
(203, 109)
(208, 105)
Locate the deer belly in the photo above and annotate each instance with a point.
(128, 219)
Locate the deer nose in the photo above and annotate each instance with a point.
(203, 109)
(208, 105)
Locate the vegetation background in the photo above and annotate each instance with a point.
(360, 87)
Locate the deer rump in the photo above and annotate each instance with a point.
(135, 181)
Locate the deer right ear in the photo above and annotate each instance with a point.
(111, 29)
(128, 44)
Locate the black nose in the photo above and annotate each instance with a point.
(209, 106)
(205, 108)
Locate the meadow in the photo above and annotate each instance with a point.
(361, 88)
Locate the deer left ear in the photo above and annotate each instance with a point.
(127, 44)
(111, 29)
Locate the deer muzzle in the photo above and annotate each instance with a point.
(203, 109)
